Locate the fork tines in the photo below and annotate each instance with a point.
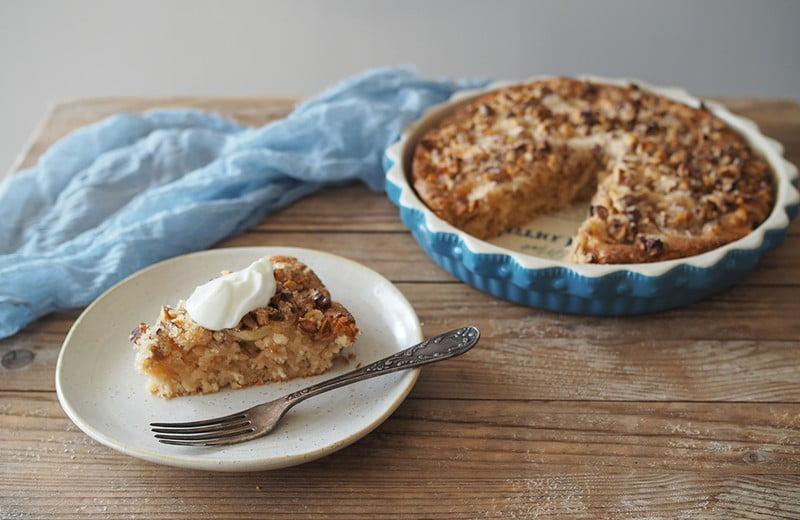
(211, 432)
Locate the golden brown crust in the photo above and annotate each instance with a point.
(669, 180)
(297, 334)
(301, 294)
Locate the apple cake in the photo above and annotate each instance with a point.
(662, 179)
(298, 333)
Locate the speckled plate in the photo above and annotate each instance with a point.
(526, 266)
(105, 396)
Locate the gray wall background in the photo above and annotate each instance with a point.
(55, 49)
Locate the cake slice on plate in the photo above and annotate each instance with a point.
(273, 321)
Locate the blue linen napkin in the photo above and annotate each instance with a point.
(116, 196)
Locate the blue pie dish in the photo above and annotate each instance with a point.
(557, 285)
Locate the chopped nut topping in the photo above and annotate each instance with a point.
(262, 315)
(322, 300)
(663, 169)
(652, 246)
(311, 321)
(487, 110)
(137, 332)
(249, 321)
(599, 211)
(617, 227)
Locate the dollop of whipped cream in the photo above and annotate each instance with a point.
(223, 302)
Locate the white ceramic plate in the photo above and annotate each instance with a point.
(105, 396)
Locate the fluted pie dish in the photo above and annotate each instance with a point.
(591, 195)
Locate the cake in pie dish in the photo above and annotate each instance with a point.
(661, 179)
(297, 332)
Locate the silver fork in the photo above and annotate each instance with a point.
(261, 419)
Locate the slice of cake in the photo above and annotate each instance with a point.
(294, 330)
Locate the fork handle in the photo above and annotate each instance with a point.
(443, 346)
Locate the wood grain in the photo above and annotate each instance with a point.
(677, 355)
(526, 458)
(690, 413)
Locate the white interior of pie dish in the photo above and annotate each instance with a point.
(400, 155)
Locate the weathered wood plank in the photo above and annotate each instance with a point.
(749, 313)
(629, 370)
(352, 208)
(635, 495)
(38, 345)
(739, 346)
(440, 459)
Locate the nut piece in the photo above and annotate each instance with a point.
(653, 247)
(311, 321)
(321, 300)
(599, 211)
(249, 321)
(138, 332)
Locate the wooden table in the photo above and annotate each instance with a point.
(692, 413)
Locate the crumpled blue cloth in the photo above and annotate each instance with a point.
(116, 196)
